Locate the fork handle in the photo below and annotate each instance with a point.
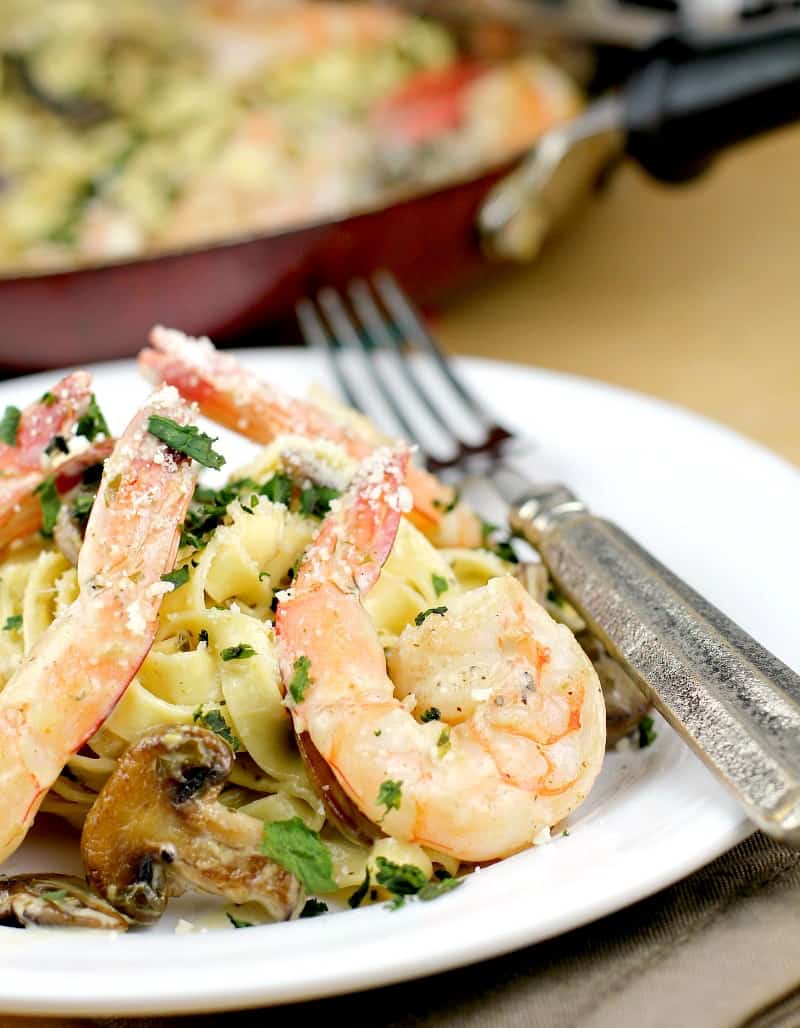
(733, 701)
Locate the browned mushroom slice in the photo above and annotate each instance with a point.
(56, 900)
(157, 827)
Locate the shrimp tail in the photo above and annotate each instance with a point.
(73, 677)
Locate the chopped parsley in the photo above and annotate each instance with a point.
(427, 613)
(9, 424)
(315, 500)
(357, 898)
(178, 577)
(13, 623)
(431, 714)
(300, 679)
(186, 439)
(443, 742)
(82, 506)
(215, 722)
(502, 547)
(390, 795)
(50, 502)
(278, 489)
(403, 880)
(241, 651)
(207, 510)
(48, 399)
(237, 923)
(647, 733)
(440, 584)
(299, 849)
(92, 424)
(58, 444)
(314, 908)
(433, 890)
(400, 880)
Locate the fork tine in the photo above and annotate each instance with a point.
(316, 336)
(370, 314)
(349, 338)
(414, 329)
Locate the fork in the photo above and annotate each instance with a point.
(731, 700)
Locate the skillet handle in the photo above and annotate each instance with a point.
(683, 107)
(731, 700)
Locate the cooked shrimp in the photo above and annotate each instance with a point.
(521, 733)
(25, 465)
(233, 396)
(80, 667)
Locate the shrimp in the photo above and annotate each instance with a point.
(25, 464)
(80, 667)
(519, 732)
(233, 396)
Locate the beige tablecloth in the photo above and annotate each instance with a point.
(692, 295)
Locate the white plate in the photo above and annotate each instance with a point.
(718, 509)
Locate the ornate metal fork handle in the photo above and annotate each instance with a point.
(731, 700)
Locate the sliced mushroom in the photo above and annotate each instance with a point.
(58, 901)
(157, 827)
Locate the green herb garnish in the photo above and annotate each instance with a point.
(433, 890)
(278, 489)
(443, 742)
(241, 651)
(399, 879)
(300, 679)
(215, 722)
(314, 908)
(239, 924)
(440, 584)
(357, 898)
(13, 623)
(427, 613)
(431, 714)
(186, 439)
(315, 500)
(48, 399)
(9, 424)
(58, 444)
(50, 502)
(178, 577)
(293, 845)
(647, 733)
(390, 795)
(92, 423)
(502, 547)
(82, 506)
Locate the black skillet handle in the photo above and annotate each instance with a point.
(682, 108)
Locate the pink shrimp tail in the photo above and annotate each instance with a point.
(53, 414)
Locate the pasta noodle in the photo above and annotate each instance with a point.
(225, 604)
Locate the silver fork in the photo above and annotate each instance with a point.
(733, 701)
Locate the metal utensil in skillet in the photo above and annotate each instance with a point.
(680, 108)
(735, 703)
